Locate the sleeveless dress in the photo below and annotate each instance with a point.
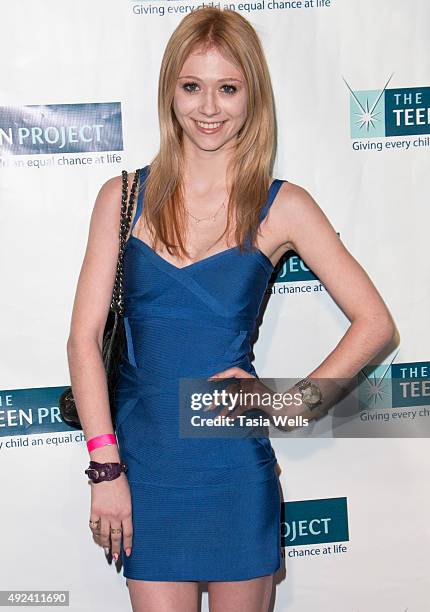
(202, 508)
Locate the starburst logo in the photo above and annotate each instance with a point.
(394, 385)
(375, 389)
(367, 112)
(385, 112)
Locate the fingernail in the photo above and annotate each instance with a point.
(115, 556)
(128, 551)
(106, 550)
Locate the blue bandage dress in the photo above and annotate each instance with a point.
(202, 508)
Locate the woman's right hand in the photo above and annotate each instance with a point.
(111, 506)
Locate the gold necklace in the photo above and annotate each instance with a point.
(204, 218)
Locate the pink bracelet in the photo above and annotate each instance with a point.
(102, 440)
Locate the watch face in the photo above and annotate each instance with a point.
(312, 395)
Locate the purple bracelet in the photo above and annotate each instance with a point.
(99, 472)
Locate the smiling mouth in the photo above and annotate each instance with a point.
(209, 126)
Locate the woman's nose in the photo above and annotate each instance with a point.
(208, 103)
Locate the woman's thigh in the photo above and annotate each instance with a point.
(158, 596)
(251, 595)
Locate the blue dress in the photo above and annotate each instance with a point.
(203, 508)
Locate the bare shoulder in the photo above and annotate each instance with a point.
(293, 210)
(108, 201)
(111, 189)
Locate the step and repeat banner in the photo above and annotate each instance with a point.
(78, 104)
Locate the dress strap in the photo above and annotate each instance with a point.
(143, 173)
(273, 190)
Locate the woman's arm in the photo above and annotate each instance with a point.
(90, 310)
(301, 225)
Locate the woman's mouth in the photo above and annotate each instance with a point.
(209, 128)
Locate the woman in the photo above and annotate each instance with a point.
(201, 509)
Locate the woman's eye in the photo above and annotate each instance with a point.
(232, 89)
(190, 88)
(186, 85)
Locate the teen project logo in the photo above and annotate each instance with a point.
(385, 112)
(24, 412)
(61, 128)
(396, 396)
(315, 522)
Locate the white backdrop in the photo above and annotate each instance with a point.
(102, 60)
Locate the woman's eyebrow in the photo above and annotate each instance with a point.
(190, 76)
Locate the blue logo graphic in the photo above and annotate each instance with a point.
(61, 128)
(31, 411)
(412, 384)
(395, 385)
(314, 521)
(292, 268)
(389, 112)
(375, 387)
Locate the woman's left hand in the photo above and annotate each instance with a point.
(234, 388)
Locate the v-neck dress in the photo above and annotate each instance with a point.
(202, 508)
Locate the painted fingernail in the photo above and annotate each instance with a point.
(128, 551)
(115, 556)
(106, 550)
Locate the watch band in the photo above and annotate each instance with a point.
(303, 383)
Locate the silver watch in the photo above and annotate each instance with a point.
(310, 392)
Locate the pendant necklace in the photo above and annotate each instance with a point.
(204, 218)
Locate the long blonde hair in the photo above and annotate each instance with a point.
(252, 162)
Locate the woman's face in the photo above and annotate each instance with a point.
(210, 101)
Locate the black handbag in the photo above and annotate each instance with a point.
(114, 340)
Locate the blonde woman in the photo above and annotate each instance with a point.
(210, 225)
